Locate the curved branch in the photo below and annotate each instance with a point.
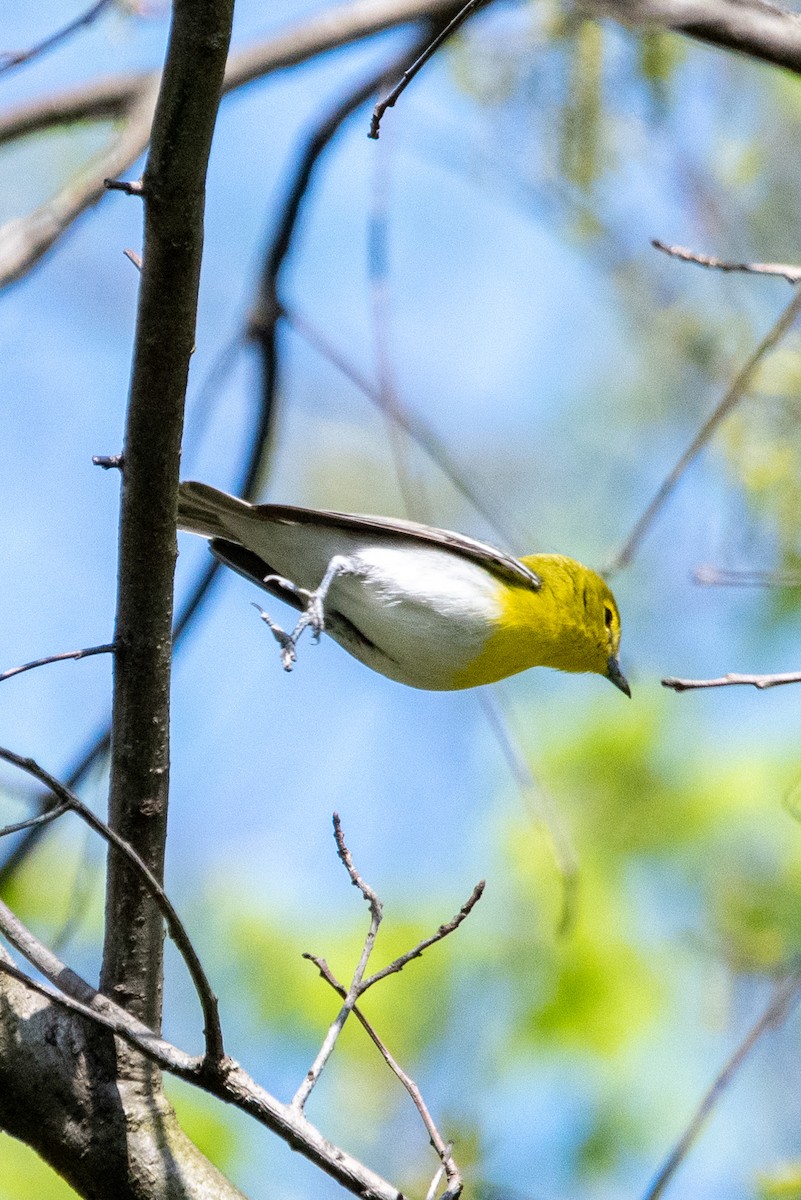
(68, 801)
(756, 28)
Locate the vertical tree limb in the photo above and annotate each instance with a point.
(173, 194)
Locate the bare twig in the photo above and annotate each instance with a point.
(378, 270)
(732, 397)
(356, 988)
(52, 814)
(130, 187)
(437, 1180)
(346, 859)
(782, 270)
(215, 1052)
(408, 75)
(54, 658)
(449, 927)
(11, 58)
(776, 1012)
(733, 680)
(442, 1148)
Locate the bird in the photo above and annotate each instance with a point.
(427, 607)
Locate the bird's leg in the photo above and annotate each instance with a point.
(314, 612)
(284, 639)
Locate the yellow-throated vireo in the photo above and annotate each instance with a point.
(429, 608)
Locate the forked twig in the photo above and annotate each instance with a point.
(733, 680)
(54, 658)
(355, 989)
(442, 1148)
(359, 985)
(775, 1013)
(449, 927)
(215, 1052)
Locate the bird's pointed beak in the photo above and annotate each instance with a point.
(614, 673)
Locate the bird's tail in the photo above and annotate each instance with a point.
(208, 512)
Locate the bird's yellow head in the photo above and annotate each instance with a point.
(577, 617)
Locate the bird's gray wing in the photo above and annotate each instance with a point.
(394, 528)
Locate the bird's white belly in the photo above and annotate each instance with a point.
(428, 612)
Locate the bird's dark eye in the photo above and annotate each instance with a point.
(608, 616)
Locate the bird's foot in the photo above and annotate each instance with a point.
(313, 614)
(313, 611)
(285, 640)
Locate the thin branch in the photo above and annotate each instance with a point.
(388, 400)
(444, 930)
(408, 75)
(356, 987)
(758, 28)
(346, 859)
(442, 1148)
(109, 99)
(732, 397)
(773, 1016)
(54, 658)
(733, 680)
(10, 58)
(215, 1052)
(52, 814)
(782, 270)
(451, 1194)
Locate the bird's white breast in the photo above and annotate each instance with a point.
(428, 611)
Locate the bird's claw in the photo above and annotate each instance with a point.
(313, 613)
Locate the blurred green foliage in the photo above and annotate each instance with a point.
(24, 1173)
